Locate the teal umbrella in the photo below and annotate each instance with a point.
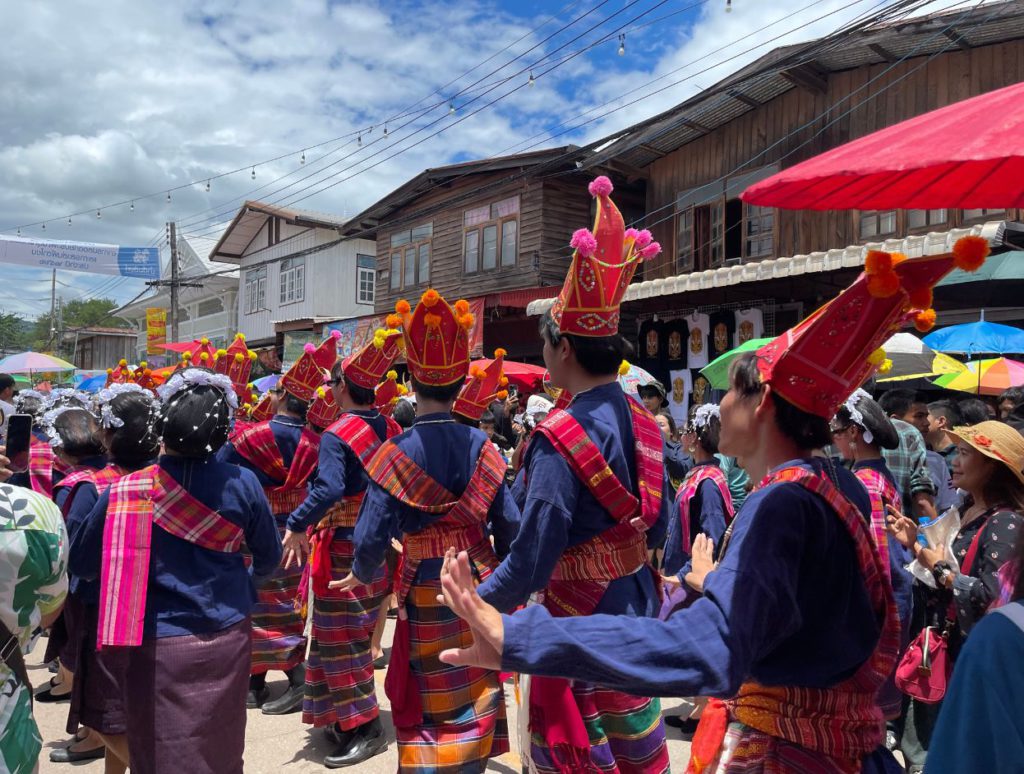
(717, 371)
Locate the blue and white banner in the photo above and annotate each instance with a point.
(135, 262)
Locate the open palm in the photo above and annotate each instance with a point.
(485, 624)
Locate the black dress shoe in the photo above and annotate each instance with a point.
(686, 725)
(288, 702)
(367, 741)
(380, 662)
(256, 697)
(47, 696)
(336, 736)
(67, 755)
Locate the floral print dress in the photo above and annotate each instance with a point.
(33, 584)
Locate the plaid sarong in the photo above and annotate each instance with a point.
(40, 467)
(573, 726)
(463, 721)
(339, 673)
(691, 484)
(278, 631)
(835, 726)
(137, 502)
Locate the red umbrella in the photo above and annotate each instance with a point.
(968, 155)
(525, 376)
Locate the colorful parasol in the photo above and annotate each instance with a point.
(913, 359)
(985, 377)
(717, 371)
(966, 155)
(33, 362)
(634, 377)
(977, 338)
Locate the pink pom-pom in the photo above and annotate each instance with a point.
(631, 233)
(310, 347)
(584, 242)
(650, 251)
(600, 186)
(335, 334)
(643, 239)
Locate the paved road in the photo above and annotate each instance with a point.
(277, 743)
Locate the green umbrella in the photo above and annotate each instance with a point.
(717, 371)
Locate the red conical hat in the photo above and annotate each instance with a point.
(367, 366)
(485, 385)
(436, 338)
(387, 394)
(312, 368)
(235, 362)
(323, 410)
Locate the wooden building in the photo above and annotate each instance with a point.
(99, 347)
(496, 229)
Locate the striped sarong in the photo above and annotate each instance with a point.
(278, 631)
(339, 672)
(463, 707)
(626, 734)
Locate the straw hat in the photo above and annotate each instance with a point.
(996, 440)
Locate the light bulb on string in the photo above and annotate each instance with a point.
(207, 186)
(168, 197)
(99, 215)
(359, 140)
(131, 207)
(728, 6)
(253, 175)
(532, 79)
(385, 130)
(19, 232)
(44, 227)
(302, 158)
(451, 108)
(69, 221)
(622, 44)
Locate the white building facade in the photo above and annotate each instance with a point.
(295, 265)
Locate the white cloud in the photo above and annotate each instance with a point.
(108, 100)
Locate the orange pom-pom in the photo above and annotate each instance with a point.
(970, 252)
(897, 259)
(925, 321)
(430, 298)
(877, 262)
(462, 306)
(466, 321)
(499, 352)
(921, 298)
(476, 372)
(502, 394)
(402, 306)
(432, 320)
(393, 321)
(503, 381)
(884, 285)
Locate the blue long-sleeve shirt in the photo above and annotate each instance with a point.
(193, 590)
(61, 493)
(560, 512)
(339, 473)
(448, 453)
(787, 605)
(287, 433)
(707, 515)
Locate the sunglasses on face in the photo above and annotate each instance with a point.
(839, 430)
(333, 382)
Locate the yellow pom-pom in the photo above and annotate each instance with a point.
(462, 306)
(220, 353)
(402, 389)
(379, 337)
(186, 355)
(143, 364)
(110, 371)
(877, 357)
(402, 307)
(499, 352)
(205, 356)
(884, 285)
(246, 407)
(886, 366)
(623, 368)
(252, 356)
(123, 363)
(204, 341)
(430, 298)
(970, 252)
(925, 321)
(320, 392)
(877, 262)
(240, 336)
(392, 375)
(239, 357)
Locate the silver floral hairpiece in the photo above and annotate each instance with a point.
(195, 377)
(20, 398)
(59, 394)
(49, 422)
(108, 419)
(703, 414)
(855, 414)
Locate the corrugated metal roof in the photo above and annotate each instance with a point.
(765, 80)
(775, 268)
(250, 219)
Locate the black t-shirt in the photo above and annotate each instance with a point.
(721, 326)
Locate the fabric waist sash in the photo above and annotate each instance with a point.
(284, 501)
(434, 541)
(342, 515)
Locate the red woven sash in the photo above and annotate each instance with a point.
(258, 445)
(843, 722)
(462, 526)
(101, 479)
(881, 493)
(691, 484)
(137, 502)
(40, 467)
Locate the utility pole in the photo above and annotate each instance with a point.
(53, 307)
(173, 235)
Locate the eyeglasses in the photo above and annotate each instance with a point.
(333, 382)
(839, 430)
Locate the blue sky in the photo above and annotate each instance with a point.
(137, 97)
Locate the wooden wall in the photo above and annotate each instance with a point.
(550, 209)
(856, 103)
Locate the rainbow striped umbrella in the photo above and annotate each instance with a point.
(985, 377)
